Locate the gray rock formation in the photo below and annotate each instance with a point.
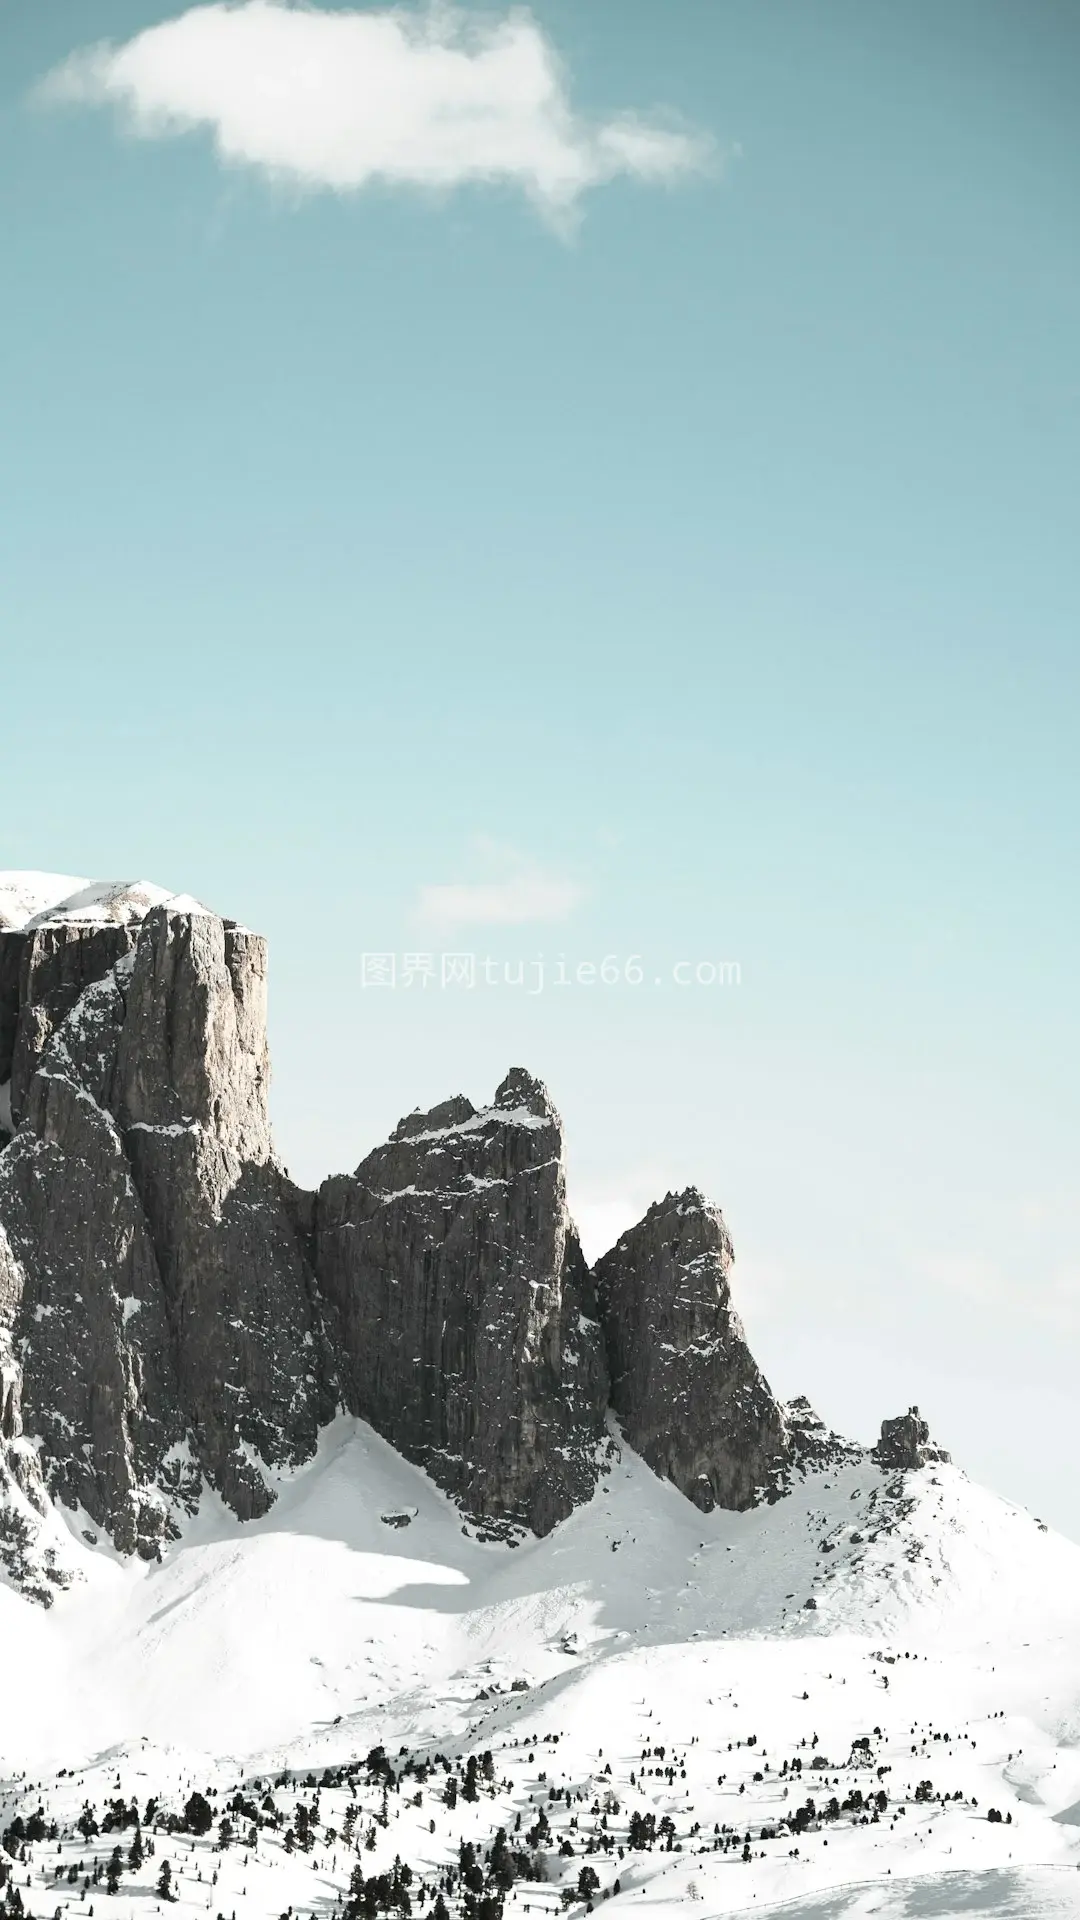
(28, 1557)
(811, 1444)
(464, 1306)
(190, 1097)
(44, 972)
(173, 1310)
(684, 1383)
(905, 1443)
(156, 1294)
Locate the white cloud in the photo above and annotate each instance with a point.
(431, 99)
(498, 903)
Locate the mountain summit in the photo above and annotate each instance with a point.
(175, 1314)
(386, 1470)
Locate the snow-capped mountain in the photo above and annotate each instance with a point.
(393, 1560)
(174, 1311)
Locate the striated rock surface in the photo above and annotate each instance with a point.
(465, 1308)
(190, 1097)
(57, 936)
(684, 1383)
(29, 1558)
(44, 972)
(905, 1443)
(173, 1310)
(159, 1314)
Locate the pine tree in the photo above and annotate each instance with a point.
(354, 1905)
(135, 1851)
(472, 1873)
(198, 1814)
(164, 1883)
(501, 1865)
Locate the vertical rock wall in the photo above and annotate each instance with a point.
(687, 1389)
(464, 1305)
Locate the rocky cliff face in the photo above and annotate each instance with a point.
(28, 1557)
(160, 1314)
(684, 1383)
(465, 1308)
(173, 1311)
(190, 1095)
(44, 972)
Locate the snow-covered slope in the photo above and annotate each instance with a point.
(360, 1611)
(123, 902)
(860, 1695)
(60, 899)
(24, 894)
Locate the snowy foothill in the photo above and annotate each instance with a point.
(648, 1661)
(860, 1694)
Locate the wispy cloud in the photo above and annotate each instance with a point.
(524, 898)
(432, 99)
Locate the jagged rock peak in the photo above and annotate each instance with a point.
(812, 1444)
(688, 1204)
(464, 1305)
(905, 1442)
(520, 1099)
(522, 1094)
(684, 1383)
(172, 1310)
(448, 1117)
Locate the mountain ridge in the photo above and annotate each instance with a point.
(174, 1311)
(760, 1666)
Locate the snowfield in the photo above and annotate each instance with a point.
(30, 900)
(643, 1660)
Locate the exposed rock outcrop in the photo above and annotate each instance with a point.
(158, 1300)
(684, 1383)
(174, 1310)
(811, 1444)
(44, 972)
(190, 1097)
(465, 1307)
(28, 1557)
(905, 1442)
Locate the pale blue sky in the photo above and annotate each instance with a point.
(714, 559)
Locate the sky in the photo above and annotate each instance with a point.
(594, 488)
